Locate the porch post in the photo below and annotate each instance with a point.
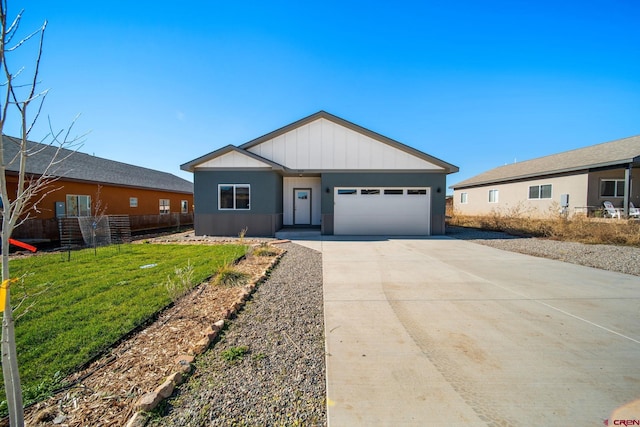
(627, 189)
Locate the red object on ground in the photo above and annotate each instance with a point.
(23, 245)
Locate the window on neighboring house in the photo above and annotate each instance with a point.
(165, 206)
(234, 196)
(612, 188)
(184, 206)
(463, 198)
(540, 191)
(133, 202)
(78, 205)
(493, 196)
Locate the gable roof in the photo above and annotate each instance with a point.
(253, 147)
(84, 167)
(208, 160)
(619, 152)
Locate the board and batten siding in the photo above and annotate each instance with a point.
(325, 145)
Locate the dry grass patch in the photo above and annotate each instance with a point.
(575, 229)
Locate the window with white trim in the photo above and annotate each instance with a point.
(165, 206)
(612, 188)
(234, 196)
(133, 202)
(463, 198)
(184, 206)
(540, 191)
(493, 196)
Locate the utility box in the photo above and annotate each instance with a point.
(60, 209)
(564, 200)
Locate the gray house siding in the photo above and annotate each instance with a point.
(264, 216)
(320, 152)
(436, 181)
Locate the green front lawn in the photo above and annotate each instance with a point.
(83, 306)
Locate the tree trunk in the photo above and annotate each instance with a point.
(9, 354)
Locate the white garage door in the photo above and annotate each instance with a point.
(382, 211)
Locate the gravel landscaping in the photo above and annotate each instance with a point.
(269, 366)
(623, 259)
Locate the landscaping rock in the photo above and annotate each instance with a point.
(210, 333)
(148, 401)
(200, 347)
(219, 324)
(137, 420)
(185, 359)
(166, 388)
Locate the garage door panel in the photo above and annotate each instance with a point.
(381, 214)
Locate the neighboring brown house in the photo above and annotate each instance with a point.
(86, 184)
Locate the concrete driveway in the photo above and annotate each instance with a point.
(442, 332)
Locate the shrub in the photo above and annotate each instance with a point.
(265, 250)
(229, 276)
(181, 281)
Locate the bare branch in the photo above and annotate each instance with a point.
(67, 141)
(42, 94)
(35, 192)
(13, 28)
(25, 39)
(39, 58)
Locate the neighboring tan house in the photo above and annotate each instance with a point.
(576, 181)
(323, 172)
(84, 183)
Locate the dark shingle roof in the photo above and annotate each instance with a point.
(618, 152)
(84, 167)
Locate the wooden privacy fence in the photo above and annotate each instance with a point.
(91, 231)
(67, 229)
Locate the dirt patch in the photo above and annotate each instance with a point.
(104, 394)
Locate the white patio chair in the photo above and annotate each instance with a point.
(610, 211)
(633, 211)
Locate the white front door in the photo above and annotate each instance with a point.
(302, 206)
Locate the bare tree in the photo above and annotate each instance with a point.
(21, 104)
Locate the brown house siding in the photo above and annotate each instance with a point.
(112, 200)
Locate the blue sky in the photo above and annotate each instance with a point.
(477, 84)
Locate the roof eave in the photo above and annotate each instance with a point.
(546, 173)
(191, 166)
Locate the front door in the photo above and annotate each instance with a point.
(302, 206)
